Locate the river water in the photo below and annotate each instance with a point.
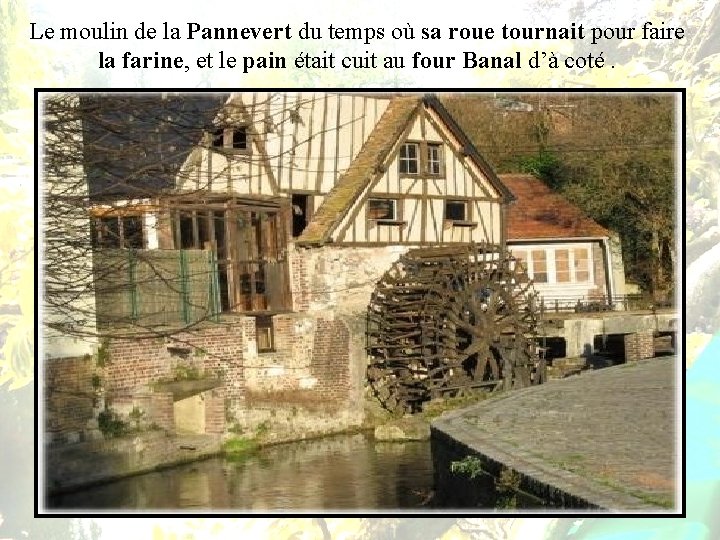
(340, 472)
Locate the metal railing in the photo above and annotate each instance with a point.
(599, 303)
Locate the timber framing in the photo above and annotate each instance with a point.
(304, 173)
(462, 174)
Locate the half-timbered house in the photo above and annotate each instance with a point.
(251, 251)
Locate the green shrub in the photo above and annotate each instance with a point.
(187, 373)
(470, 465)
(110, 424)
(507, 486)
(102, 355)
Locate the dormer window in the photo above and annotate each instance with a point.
(434, 159)
(239, 138)
(218, 138)
(234, 138)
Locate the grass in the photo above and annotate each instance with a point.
(239, 448)
(435, 408)
(656, 499)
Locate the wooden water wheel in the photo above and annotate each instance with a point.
(450, 320)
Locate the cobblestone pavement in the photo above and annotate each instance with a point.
(607, 436)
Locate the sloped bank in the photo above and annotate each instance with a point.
(603, 440)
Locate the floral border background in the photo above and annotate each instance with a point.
(692, 63)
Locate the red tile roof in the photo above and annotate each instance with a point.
(540, 212)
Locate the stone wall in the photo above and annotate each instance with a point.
(491, 484)
(311, 384)
(86, 463)
(338, 278)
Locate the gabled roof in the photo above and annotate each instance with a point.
(540, 213)
(469, 148)
(367, 165)
(361, 171)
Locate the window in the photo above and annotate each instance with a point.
(118, 232)
(456, 210)
(249, 248)
(410, 158)
(106, 233)
(382, 209)
(264, 334)
(539, 265)
(410, 162)
(236, 138)
(218, 138)
(434, 159)
(239, 138)
(560, 265)
(581, 265)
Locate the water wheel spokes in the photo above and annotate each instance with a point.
(448, 321)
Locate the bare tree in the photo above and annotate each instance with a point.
(107, 159)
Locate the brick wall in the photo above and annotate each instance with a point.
(214, 349)
(69, 396)
(215, 411)
(161, 410)
(331, 359)
(318, 355)
(639, 346)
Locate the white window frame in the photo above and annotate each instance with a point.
(404, 159)
(435, 162)
(551, 267)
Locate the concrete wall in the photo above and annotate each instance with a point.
(579, 332)
(617, 266)
(86, 463)
(488, 489)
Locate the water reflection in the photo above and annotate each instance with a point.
(342, 472)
